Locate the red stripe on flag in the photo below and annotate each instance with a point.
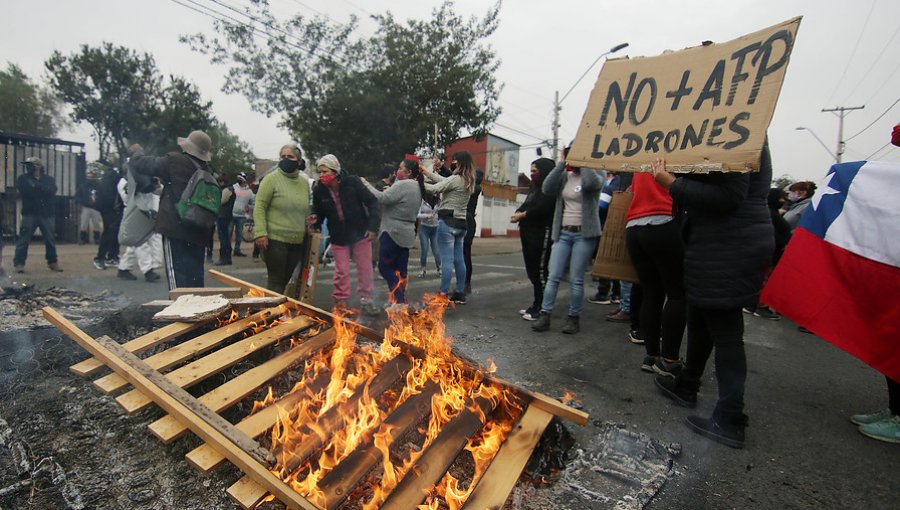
(851, 301)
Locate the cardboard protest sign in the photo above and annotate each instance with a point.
(703, 108)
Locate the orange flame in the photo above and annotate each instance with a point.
(350, 366)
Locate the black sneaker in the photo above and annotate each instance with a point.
(151, 276)
(647, 364)
(766, 313)
(572, 325)
(614, 300)
(543, 322)
(239, 254)
(635, 337)
(99, 264)
(600, 300)
(667, 369)
(719, 431)
(458, 298)
(125, 275)
(222, 262)
(113, 262)
(669, 387)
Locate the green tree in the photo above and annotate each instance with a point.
(125, 99)
(367, 100)
(230, 154)
(26, 107)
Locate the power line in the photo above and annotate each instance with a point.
(853, 53)
(885, 82)
(514, 130)
(874, 121)
(876, 152)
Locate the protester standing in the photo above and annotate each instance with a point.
(140, 192)
(353, 218)
(798, 199)
(86, 196)
(244, 200)
(183, 245)
(223, 222)
(454, 191)
(110, 205)
(38, 192)
(576, 226)
(428, 223)
(471, 227)
(279, 217)
(400, 204)
(534, 217)
(728, 245)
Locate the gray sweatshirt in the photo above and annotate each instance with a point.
(400, 205)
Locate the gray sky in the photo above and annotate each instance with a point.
(846, 54)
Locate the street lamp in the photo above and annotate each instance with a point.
(801, 128)
(557, 102)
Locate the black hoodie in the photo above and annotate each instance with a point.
(538, 206)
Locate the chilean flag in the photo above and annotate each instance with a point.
(840, 275)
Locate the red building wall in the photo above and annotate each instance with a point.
(478, 150)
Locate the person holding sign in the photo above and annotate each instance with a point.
(576, 226)
(728, 243)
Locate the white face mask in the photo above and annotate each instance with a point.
(793, 196)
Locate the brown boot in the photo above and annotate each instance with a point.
(55, 267)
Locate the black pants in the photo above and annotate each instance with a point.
(223, 227)
(393, 263)
(724, 331)
(109, 240)
(657, 253)
(893, 396)
(281, 259)
(184, 263)
(467, 247)
(536, 244)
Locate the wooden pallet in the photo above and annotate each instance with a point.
(189, 358)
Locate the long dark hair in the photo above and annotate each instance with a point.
(412, 167)
(466, 169)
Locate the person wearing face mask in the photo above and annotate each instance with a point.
(279, 216)
(400, 205)
(799, 197)
(534, 217)
(353, 217)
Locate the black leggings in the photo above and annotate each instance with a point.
(724, 330)
(657, 253)
(536, 244)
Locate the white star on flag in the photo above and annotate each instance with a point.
(828, 190)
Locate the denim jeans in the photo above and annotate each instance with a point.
(428, 237)
(572, 252)
(30, 223)
(237, 228)
(625, 303)
(450, 241)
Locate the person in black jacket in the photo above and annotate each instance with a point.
(471, 226)
(37, 190)
(353, 216)
(534, 217)
(86, 196)
(184, 245)
(728, 241)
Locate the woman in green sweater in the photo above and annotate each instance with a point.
(282, 205)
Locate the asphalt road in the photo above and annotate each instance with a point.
(801, 451)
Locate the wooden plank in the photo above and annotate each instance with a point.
(167, 428)
(549, 404)
(306, 308)
(140, 344)
(206, 457)
(135, 401)
(164, 360)
(246, 492)
(543, 401)
(237, 302)
(191, 308)
(431, 466)
(392, 371)
(338, 484)
(492, 490)
(221, 441)
(227, 292)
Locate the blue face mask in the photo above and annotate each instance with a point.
(289, 165)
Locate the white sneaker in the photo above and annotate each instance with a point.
(423, 273)
(528, 317)
(523, 311)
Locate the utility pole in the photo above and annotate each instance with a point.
(556, 109)
(841, 112)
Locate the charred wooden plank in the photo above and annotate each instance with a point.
(135, 400)
(437, 459)
(337, 484)
(206, 457)
(493, 489)
(168, 428)
(170, 357)
(226, 292)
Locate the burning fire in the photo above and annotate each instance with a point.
(340, 417)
